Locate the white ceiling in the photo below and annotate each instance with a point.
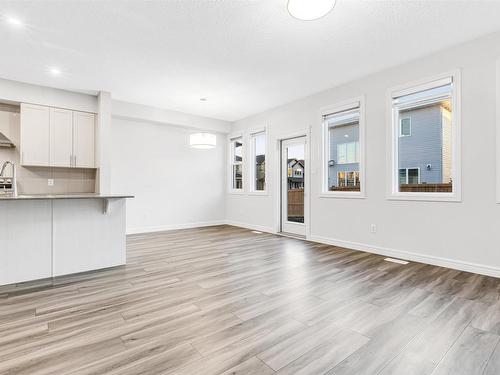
(243, 56)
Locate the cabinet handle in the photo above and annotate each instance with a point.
(74, 160)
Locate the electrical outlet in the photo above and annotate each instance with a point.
(50, 182)
(373, 228)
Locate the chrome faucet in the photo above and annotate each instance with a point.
(13, 182)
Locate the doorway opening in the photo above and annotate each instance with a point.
(293, 174)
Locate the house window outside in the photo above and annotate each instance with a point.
(342, 150)
(424, 145)
(259, 160)
(348, 179)
(409, 176)
(405, 127)
(347, 153)
(237, 163)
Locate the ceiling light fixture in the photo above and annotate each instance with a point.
(15, 22)
(203, 99)
(203, 140)
(55, 71)
(309, 10)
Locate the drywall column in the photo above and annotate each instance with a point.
(103, 177)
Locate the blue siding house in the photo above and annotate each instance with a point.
(424, 145)
(343, 170)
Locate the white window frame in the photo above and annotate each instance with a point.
(401, 127)
(331, 109)
(231, 139)
(393, 131)
(406, 169)
(498, 129)
(253, 133)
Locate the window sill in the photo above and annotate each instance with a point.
(428, 197)
(343, 195)
(236, 192)
(257, 193)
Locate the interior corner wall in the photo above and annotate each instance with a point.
(175, 186)
(463, 235)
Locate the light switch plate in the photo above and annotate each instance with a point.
(50, 182)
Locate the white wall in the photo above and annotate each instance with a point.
(165, 116)
(463, 235)
(175, 186)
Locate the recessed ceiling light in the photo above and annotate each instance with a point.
(15, 22)
(203, 99)
(55, 71)
(309, 10)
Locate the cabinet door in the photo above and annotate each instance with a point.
(83, 139)
(61, 137)
(35, 135)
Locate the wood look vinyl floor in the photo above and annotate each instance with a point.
(224, 300)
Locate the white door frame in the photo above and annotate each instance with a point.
(307, 185)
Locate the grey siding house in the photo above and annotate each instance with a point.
(344, 154)
(424, 145)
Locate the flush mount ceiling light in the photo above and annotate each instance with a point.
(309, 10)
(203, 140)
(15, 22)
(55, 71)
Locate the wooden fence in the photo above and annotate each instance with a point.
(296, 203)
(427, 188)
(345, 188)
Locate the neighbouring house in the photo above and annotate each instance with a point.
(260, 172)
(424, 149)
(295, 174)
(238, 168)
(343, 165)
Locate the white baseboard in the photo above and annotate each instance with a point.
(162, 228)
(260, 228)
(410, 256)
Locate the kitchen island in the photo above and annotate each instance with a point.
(43, 236)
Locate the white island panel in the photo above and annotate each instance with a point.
(25, 241)
(86, 237)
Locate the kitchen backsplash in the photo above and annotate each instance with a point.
(34, 180)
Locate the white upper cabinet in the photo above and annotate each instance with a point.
(56, 137)
(83, 139)
(61, 137)
(35, 135)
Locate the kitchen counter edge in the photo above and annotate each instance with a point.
(24, 197)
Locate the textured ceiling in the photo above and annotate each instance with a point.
(243, 56)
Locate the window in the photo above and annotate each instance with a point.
(236, 163)
(426, 138)
(348, 179)
(342, 162)
(258, 144)
(347, 153)
(405, 127)
(409, 176)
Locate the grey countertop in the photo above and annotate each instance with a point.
(64, 196)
